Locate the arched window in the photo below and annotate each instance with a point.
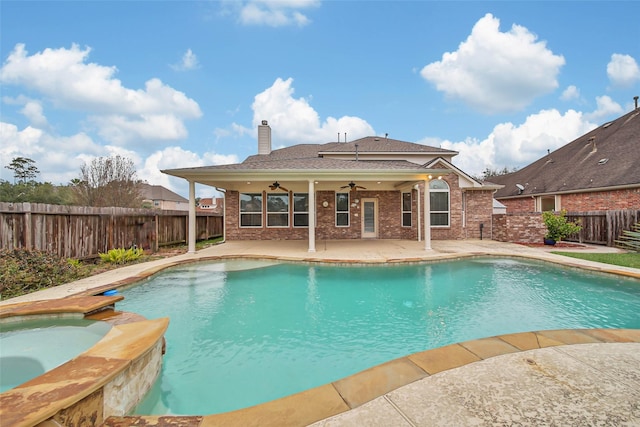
(439, 197)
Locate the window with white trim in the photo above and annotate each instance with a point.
(250, 209)
(278, 210)
(406, 209)
(439, 201)
(300, 209)
(342, 209)
(547, 203)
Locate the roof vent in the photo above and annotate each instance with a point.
(603, 161)
(606, 125)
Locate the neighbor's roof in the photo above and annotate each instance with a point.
(607, 157)
(158, 192)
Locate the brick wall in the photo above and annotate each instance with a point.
(525, 204)
(478, 204)
(520, 227)
(583, 202)
(602, 200)
(479, 210)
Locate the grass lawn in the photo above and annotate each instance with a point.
(624, 259)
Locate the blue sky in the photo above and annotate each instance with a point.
(185, 83)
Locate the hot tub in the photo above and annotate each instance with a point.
(29, 348)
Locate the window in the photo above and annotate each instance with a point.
(250, 210)
(342, 209)
(277, 210)
(300, 209)
(547, 203)
(406, 209)
(439, 199)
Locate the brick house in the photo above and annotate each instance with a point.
(211, 204)
(159, 197)
(598, 171)
(370, 188)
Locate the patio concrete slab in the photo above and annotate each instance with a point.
(589, 384)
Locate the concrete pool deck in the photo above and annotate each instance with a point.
(567, 377)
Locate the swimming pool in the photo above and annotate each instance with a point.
(246, 332)
(29, 348)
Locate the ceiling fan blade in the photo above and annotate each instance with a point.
(361, 187)
(282, 188)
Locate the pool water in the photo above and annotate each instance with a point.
(243, 333)
(32, 347)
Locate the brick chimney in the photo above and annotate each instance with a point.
(264, 138)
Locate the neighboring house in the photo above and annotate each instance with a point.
(159, 197)
(370, 188)
(599, 171)
(211, 204)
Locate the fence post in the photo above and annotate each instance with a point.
(157, 236)
(28, 234)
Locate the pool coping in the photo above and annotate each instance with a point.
(353, 391)
(338, 397)
(85, 378)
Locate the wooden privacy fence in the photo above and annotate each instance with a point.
(603, 227)
(83, 232)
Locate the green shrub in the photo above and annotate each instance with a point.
(23, 271)
(558, 227)
(121, 255)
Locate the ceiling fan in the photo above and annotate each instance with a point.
(353, 186)
(277, 185)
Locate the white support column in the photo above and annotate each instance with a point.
(427, 216)
(191, 235)
(312, 216)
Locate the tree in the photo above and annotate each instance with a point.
(24, 169)
(108, 181)
(489, 172)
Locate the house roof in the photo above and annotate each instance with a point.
(376, 159)
(158, 192)
(605, 158)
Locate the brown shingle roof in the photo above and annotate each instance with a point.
(376, 144)
(158, 192)
(608, 156)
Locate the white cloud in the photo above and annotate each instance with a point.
(121, 130)
(176, 157)
(189, 62)
(511, 145)
(494, 71)
(57, 158)
(294, 121)
(63, 76)
(32, 110)
(606, 107)
(570, 93)
(275, 13)
(623, 70)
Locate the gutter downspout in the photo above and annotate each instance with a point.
(224, 213)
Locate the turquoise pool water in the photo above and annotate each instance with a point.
(32, 347)
(243, 333)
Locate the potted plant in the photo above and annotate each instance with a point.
(558, 227)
